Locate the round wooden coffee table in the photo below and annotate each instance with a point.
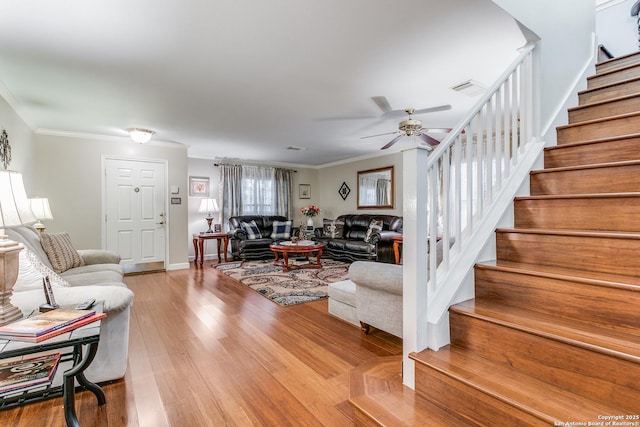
(305, 247)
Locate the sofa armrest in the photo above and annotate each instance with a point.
(237, 234)
(375, 275)
(99, 256)
(387, 236)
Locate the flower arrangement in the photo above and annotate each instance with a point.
(310, 211)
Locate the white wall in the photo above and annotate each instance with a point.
(21, 141)
(332, 177)
(616, 29)
(68, 170)
(566, 30)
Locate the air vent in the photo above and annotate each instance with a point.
(470, 88)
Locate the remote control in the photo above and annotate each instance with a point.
(86, 305)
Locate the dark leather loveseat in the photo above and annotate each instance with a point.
(351, 245)
(242, 247)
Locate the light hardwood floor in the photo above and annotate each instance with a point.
(207, 351)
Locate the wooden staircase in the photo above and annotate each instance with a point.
(553, 334)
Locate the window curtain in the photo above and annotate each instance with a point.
(255, 190)
(283, 187)
(231, 180)
(382, 187)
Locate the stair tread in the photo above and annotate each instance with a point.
(377, 390)
(628, 195)
(589, 166)
(580, 334)
(575, 233)
(592, 141)
(618, 59)
(621, 281)
(609, 72)
(530, 394)
(620, 83)
(599, 120)
(602, 102)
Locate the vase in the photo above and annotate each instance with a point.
(309, 222)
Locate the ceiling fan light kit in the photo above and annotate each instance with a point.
(409, 126)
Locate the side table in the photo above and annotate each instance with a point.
(88, 335)
(198, 245)
(397, 241)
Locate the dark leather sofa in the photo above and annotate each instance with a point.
(244, 248)
(351, 245)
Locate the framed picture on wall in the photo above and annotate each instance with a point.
(199, 186)
(305, 191)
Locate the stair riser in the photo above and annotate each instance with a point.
(595, 213)
(469, 402)
(586, 253)
(614, 179)
(610, 92)
(618, 150)
(617, 63)
(602, 129)
(598, 111)
(616, 76)
(603, 378)
(569, 299)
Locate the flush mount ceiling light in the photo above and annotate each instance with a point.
(140, 135)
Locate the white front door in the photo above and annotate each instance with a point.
(135, 216)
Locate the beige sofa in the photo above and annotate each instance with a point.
(101, 277)
(372, 296)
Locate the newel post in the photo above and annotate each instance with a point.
(414, 254)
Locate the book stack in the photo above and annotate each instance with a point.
(43, 326)
(26, 374)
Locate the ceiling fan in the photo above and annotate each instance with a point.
(413, 127)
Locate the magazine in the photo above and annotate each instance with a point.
(27, 372)
(70, 327)
(43, 323)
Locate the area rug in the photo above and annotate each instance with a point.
(293, 287)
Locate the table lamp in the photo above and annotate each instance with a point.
(15, 211)
(209, 206)
(41, 210)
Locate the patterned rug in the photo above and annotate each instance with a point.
(294, 287)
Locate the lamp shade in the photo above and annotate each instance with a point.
(208, 206)
(15, 209)
(40, 208)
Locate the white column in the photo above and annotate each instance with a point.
(414, 254)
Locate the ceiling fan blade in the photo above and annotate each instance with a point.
(438, 130)
(382, 103)
(380, 134)
(335, 118)
(433, 109)
(429, 140)
(393, 141)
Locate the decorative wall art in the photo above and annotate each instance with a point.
(5, 149)
(344, 191)
(199, 186)
(304, 191)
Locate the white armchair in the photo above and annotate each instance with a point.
(378, 295)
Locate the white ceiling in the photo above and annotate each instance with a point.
(246, 79)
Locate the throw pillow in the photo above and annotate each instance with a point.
(32, 271)
(60, 251)
(332, 228)
(281, 230)
(374, 226)
(252, 230)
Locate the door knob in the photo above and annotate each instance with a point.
(161, 222)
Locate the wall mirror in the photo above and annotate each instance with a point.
(375, 188)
